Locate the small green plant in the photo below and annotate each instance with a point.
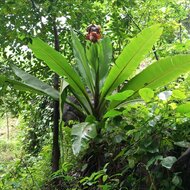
(95, 179)
(27, 172)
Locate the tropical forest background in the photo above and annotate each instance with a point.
(94, 94)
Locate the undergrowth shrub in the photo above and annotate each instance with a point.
(27, 172)
(138, 149)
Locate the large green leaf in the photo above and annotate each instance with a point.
(112, 113)
(82, 62)
(18, 85)
(105, 57)
(160, 73)
(178, 94)
(35, 83)
(120, 96)
(99, 56)
(130, 58)
(184, 108)
(146, 94)
(60, 65)
(92, 56)
(82, 133)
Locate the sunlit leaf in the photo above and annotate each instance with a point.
(160, 73)
(112, 113)
(59, 64)
(178, 94)
(130, 58)
(120, 96)
(146, 94)
(184, 108)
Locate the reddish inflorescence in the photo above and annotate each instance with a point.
(93, 33)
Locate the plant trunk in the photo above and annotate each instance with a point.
(55, 148)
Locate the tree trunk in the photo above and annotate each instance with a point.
(55, 148)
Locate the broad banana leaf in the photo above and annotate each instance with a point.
(99, 56)
(92, 54)
(130, 58)
(21, 86)
(35, 83)
(82, 62)
(105, 58)
(160, 73)
(156, 75)
(59, 64)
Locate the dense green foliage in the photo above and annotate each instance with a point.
(132, 121)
